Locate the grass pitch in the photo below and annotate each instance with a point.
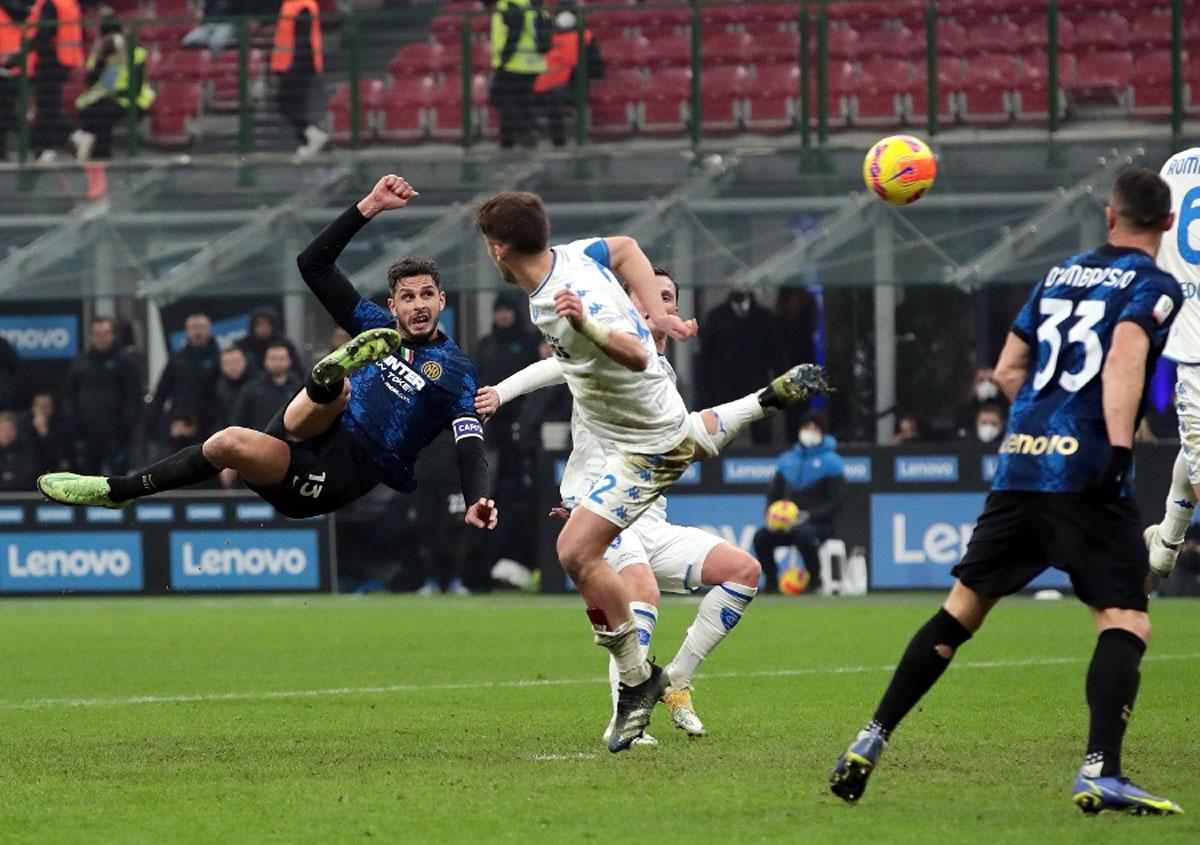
(474, 720)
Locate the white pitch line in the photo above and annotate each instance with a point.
(273, 695)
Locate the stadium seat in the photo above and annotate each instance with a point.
(1150, 31)
(997, 36)
(770, 103)
(841, 44)
(173, 117)
(779, 14)
(952, 76)
(777, 47)
(665, 106)
(1191, 32)
(168, 36)
(877, 94)
(985, 98)
(664, 17)
(952, 39)
(613, 103)
(722, 90)
(1035, 38)
(1031, 103)
(181, 66)
(613, 23)
(727, 48)
(1102, 34)
(173, 9)
(1102, 78)
(891, 41)
(674, 51)
(402, 114)
(421, 58)
(857, 13)
(447, 29)
(370, 94)
(446, 109)
(225, 70)
(630, 52)
(1151, 96)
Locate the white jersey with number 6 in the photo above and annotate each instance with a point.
(1179, 254)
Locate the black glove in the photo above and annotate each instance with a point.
(1112, 480)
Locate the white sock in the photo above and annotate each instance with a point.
(733, 417)
(1181, 504)
(719, 611)
(645, 617)
(622, 643)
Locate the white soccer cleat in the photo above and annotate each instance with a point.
(1162, 556)
(642, 740)
(683, 713)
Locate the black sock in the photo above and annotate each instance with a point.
(187, 466)
(322, 394)
(768, 398)
(1112, 688)
(920, 667)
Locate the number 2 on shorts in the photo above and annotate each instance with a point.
(601, 487)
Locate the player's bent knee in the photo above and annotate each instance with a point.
(227, 445)
(727, 562)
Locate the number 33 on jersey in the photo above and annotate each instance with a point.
(1057, 441)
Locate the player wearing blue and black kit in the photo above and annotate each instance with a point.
(1075, 367)
(367, 408)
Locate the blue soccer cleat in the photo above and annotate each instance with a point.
(1094, 794)
(848, 780)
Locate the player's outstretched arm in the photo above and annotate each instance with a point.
(633, 268)
(1124, 379)
(317, 262)
(623, 348)
(539, 374)
(1013, 367)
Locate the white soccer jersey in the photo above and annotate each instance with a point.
(640, 413)
(1179, 254)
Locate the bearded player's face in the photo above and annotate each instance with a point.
(416, 303)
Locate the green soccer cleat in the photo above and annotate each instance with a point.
(68, 488)
(369, 347)
(799, 384)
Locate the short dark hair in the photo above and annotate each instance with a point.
(991, 408)
(1142, 199)
(278, 344)
(659, 270)
(111, 322)
(516, 219)
(413, 265)
(815, 418)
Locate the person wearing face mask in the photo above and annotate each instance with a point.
(740, 323)
(555, 88)
(989, 423)
(810, 474)
(984, 391)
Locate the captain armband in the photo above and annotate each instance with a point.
(465, 427)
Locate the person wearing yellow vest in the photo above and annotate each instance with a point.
(54, 40)
(520, 39)
(297, 57)
(106, 103)
(555, 89)
(10, 69)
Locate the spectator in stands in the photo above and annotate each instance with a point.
(989, 424)
(265, 331)
(10, 376)
(54, 33)
(18, 460)
(521, 36)
(909, 429)
(188, 384)
(984, 390)
(106, 103)
(234, 375)
(217, 35)
(297, 59)
(102, 399)
(11, 13)
(738, 347)
(48, 434)
(555, 88)
(796, 316)
(810, 474)
(268, 391)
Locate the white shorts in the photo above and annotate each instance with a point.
(630, 482)
(675, 553)
(1187, 407)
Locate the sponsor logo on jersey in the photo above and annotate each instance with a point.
(927, 468)
(1187, 166)
(399, 378)
(1028, 444)
(245, 560)
(85, 561)
(432, 370)
(1162, 309)
(42, 336)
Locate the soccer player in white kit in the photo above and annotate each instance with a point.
(622, 394)
(1179, 255)
(652, 554)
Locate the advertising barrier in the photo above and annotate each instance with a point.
(173, 544)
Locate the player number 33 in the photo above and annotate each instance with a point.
(1088, 313)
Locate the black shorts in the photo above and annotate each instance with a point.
(1097, 543)
(323, 475)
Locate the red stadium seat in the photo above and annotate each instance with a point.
(770, 102)
(877, 95)
(1191, 32)
(630, 52)
(841, 44)
(446, 108)
(370, 94)
(1102, 78)
(1102, 33)
(664, 17)
(665, 106)
(613, 102)
(727, 48)
(1152, 85)
(181, 66)
(1150, 31)
(994, 37)
(776, 48)
(403, 116)
(172, 118)
(952, 77)
(781, 14)
(1035, 37)
(421, 58)
(860, 14)
(893, 41)
(674, 51)
(225, 70)
(722, 90)
(173, 9)
(1031, 103)
(985, 98)
(952, 39)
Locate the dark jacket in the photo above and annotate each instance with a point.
(255, 348)
(812, 478)
(50, 452)
(10, 376)
(737, 353)
(261, 399)
(188, 385)
(18, 466)
(225, 397)
(500, 354)
(103, 393)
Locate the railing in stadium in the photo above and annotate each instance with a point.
(848, 54)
